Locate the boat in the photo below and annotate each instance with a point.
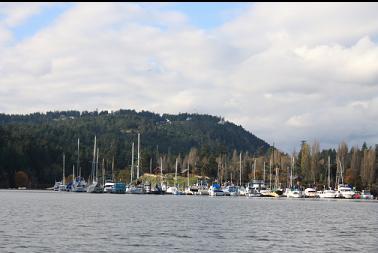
(215, 190)
(78, 183)
(344, 191)
(95, 186)
(108, 187)
(138, 189)
(203, 187)
(119, 188)
(231, 190)
(366, 195)
(294, 193)
(330, 194)
(310, 193)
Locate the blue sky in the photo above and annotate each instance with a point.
(206, 15)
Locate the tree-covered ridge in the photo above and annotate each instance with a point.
(34, 143)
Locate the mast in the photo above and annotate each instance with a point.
(254, 169)
(96, 177)
(188, 174)
(94, 160)
(138, 155)
(161, 170)
(132, 162)
(329, 173)
(240, 167)
(103, 171)
(113, 170)
(64, 167)
(264, 172)
(78, 158)
(270, 174)
(73, 172)
(151, 165)
(176, 173)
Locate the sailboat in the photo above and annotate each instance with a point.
(78, 183)
(293, 192)
(61, 185)
(95, 186)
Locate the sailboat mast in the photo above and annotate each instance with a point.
(103, 171)
(329, 173)
(270, 174)
(161, 170)
(64, 166)
(240, 167)
(94, 159)
(78, 158)
(132, 162)
(138, 155)
(254, 169)
(96, 176)
(176, 173)
(113, 170)
(264, 172)
(188, 174)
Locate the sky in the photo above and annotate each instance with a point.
(286, 72)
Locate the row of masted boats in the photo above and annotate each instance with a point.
(255, 188)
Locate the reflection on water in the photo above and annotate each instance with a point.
(40, 221)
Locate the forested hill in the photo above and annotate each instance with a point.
(35, 143)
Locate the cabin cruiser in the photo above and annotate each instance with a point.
(254, 188)
(327, 194)
(344, 191)
(294, 193)
(215, 190)
(231, 190)
(310, 193)
(119, 187)
(108, 187)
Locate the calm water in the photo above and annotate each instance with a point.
(41, 221)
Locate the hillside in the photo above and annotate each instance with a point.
(35, 143)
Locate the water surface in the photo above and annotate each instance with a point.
(43, 221)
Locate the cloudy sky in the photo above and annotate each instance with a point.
(285, 72)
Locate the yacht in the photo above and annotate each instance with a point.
(344, 191)
(295, 193)
(108, 187)
(310, 193)
(231, 190)
(330, 194)
(215, 190)
(119, 188)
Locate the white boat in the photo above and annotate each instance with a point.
(366, 195)
(174, 191)
(231, 190)
(330, 194)
(294, 193)
(344, 191)
(242, 191)
(310, 193)
(215, 190)
(108, 187)
(253, 188)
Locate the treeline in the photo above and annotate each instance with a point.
(35, 143)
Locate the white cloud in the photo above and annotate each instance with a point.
(286, 72)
